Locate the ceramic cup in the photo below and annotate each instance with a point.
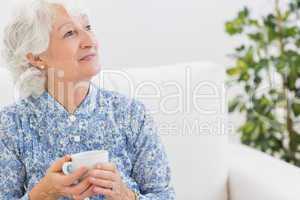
(87, 159)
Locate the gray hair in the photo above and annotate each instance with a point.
(28, 31)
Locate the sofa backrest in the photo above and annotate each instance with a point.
(188, 102)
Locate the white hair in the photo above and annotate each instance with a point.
(28, 31)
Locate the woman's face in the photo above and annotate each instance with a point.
(73, 48)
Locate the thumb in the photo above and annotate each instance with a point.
(57, 165)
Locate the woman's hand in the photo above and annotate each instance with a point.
(55, 184)
(106, 180)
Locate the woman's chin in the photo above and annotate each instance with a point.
(90, 70)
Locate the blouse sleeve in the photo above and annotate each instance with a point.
(12, 170)
(151, 169)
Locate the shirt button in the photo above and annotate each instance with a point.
(72, 118)
(77, 138)
(82, 124)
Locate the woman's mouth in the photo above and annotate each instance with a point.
(88, 57)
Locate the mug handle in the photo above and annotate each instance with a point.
(67, 168)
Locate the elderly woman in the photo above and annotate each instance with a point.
(53, 54)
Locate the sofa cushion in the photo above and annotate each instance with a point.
(256, 175)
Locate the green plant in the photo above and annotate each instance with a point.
(267, 67)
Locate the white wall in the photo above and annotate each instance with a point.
(151, 32)
(142, 33)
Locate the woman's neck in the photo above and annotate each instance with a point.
(68, 94)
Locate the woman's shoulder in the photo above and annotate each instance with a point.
(10, 114)
(121, 101)
(129, 112)
(16, 106)
(11, 109)
(118, 98)
(11, 117)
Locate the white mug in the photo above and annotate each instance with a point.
(87, 159)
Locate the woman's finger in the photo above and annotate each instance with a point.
(79, 188)
(101, 183)
(103, 191)
(57, 165)
(87, 193)
(71, 178)
(103, 174)
(107, 166)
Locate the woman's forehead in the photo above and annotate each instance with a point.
(62, 11)
(62, 15)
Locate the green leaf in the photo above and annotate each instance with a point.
(249, 57)
(243, 107)
(257, 80)
(233, 105)
(240, 68)
(233, 71)
(236, 25)
(248, 127)
(291, 82)
(296, 109)
(297, 43)
(243, 13)
(244, 76)
(242, 64)
(247, 88)
(292, 76)
(272, 34)
(270, 21)
(240, 48)
(290, 31)
(261, 64)
(257, 37)
(232, 28)
(254, 22)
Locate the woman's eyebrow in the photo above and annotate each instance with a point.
(64, 25)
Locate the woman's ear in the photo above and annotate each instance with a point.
(35, 61)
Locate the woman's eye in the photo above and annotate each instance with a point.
(69, 33)
(89, 27)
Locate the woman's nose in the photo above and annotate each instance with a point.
(85, 45)
(88, 41)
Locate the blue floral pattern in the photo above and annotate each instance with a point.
(34, 132)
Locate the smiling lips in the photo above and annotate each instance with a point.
(88, 57)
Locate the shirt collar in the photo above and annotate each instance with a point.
(48, 104)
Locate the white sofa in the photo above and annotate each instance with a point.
(188, 101)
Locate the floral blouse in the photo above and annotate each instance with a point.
(34, 132)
